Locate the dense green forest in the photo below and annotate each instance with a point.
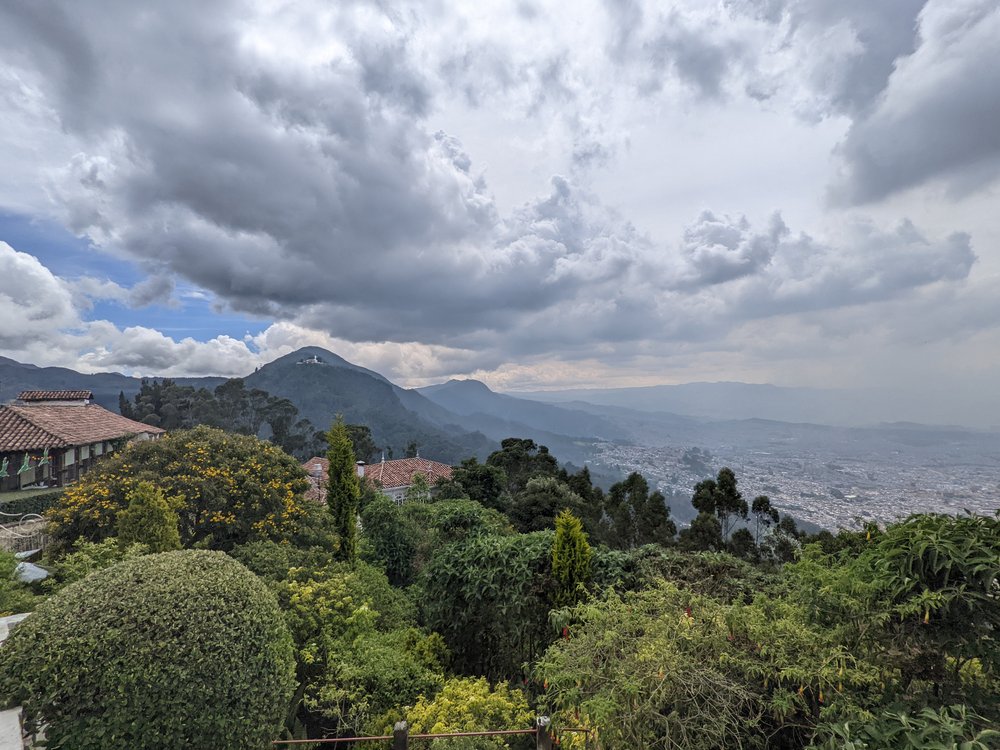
(515, 589)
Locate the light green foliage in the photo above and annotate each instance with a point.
(571, 558)
(150, 519)
(89, 557)
(798, 669)
(374, 675)
(470, 705)
(923, 600)
(342, 490)
(328, 610)
(236, 488)
(927, 729)
(15, 597)
(489, 597)
(418, 491)
(177, 650)
(650, 675)
(337, 603)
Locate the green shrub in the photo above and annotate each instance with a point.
(178, 650)
(88, 557)
(35, 503)
(927, 729)
(15, 597)
(150, 519)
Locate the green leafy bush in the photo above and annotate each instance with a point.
(15, 597)
(150, 519)
(34, 503)
(928, 729)
(182, 649)
(89, 557)
(489, 597)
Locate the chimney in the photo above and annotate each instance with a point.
(361, 469)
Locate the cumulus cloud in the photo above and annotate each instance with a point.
(33, 302)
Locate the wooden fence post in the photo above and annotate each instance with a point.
(543, 740)
(400, 736)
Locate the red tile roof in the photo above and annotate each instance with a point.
(400, 472)
(55, 395)
(38, 426)
(386, 474)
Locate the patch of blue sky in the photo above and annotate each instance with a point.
(62, 252)
(193, 312)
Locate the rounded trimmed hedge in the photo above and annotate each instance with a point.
(183, 649)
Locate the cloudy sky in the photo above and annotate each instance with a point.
(537, 194)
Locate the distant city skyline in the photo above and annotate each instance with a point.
(626, 194)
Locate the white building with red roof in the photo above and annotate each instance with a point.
(392, 478)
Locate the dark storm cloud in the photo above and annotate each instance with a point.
(937, 117)
(156, 289)
(883, 31)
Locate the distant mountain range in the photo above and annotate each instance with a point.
(728, 400)
(16, 377)
(449, 422)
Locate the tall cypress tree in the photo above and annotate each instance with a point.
(570, 559)
(342, 489)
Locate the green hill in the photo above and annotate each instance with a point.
(395, 415)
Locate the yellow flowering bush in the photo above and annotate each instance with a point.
(469, 704)
(234, 489)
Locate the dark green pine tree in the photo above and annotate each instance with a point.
(342, 489)
(124, 407)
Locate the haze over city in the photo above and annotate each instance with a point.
(625, 194)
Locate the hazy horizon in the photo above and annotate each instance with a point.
(799, 194)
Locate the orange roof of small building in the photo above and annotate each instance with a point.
(55, 395)
(36, 426)
(400, 472)
(386, 474)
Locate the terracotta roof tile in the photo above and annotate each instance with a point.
(55, 395)
(387, 474)
(39, 425)
(400, 472)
